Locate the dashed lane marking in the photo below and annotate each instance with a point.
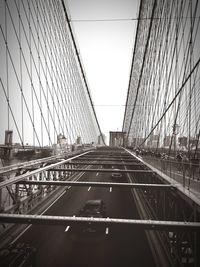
(67, 228)
(89, 188)
(107, 230)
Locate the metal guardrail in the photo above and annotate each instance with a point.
(97, 170)
(15, 167)
(180, 185)
(108, 159)
(32, 173)
(106, 163)
(65, 220)
(98, 184)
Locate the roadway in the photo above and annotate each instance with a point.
(57, 246)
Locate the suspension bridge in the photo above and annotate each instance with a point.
(66, 198)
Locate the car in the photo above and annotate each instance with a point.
(94, 209)
(116, 174)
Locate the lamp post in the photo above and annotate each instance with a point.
(176, 128)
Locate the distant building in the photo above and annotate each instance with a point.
(154, 137)
(8, 138)
(78, 140)
(134, 142)
(138, 141)
(153, 141)
(61, 140)
(182, 141)
(61, 146)
(101, 139)
(117, 139)
(169, 140)
(193, 143)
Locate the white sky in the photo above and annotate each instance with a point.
(106, 51)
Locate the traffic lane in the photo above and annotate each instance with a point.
(123, 247)
(55, 246)
(74, 198)
(118, 201)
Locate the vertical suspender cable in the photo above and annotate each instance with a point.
(81, 67)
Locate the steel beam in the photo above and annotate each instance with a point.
(106, 163)
(31, 173)
(189, 196)
(99, 184)
(98, 170)
(15, 167)
(70, 220)
(109, 159)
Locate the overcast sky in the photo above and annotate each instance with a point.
(106, 50)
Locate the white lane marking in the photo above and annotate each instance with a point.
(110, 189)
(97, 174)
(45, 210)
(89, 188)
(67, 228)
(107, 230)
(69, 225)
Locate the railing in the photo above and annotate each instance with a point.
(22, 198)
(183, 171)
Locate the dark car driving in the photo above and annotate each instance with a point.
(92, 208)
(116, 174)
(96, 208)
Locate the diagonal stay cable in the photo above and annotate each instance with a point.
(81, 67)
(177, 94)
(142, 68)
(132, 64)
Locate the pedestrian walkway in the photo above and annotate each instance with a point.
(191, 184)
